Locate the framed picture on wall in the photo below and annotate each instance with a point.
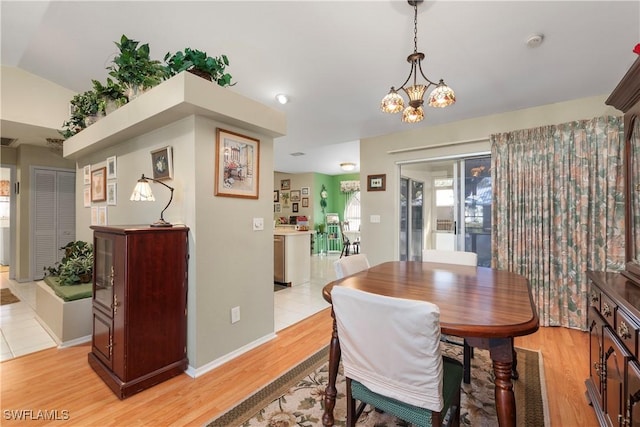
(305, 202)
(276, 207)
(305, 191)
(111, 167)
(86, 197)
(285, 184)
(86, 174)
(376, 182)
(162, 163)
(237, 165)
(295, 195)
(111, 193)
(276, 196)
(294, 207)
(99, 185)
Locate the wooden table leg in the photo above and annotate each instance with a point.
(501, 351)
(334, 362)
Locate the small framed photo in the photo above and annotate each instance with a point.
(276, 207)
(94, 215)
(295, 195)
(276, 196)
(305, 202)
(305, 191)
(99, 185)
(285, 184)
(86, 174)
(86, 197)
(332, 218)
(237, 165)
(294, 207)
(111, 194)
(102, 215)
(111, 167)
(162, 163)
(376, 182)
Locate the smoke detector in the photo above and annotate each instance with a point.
(535, 40)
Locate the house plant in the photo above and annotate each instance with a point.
(200, 64)
(134, 69)
(76, 266)
(111, 93)
(86, 108)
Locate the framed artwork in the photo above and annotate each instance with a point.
(285, 184)
(295, 195)
(86, 174)
(305, 202)
(162, 163)
(94, 215)
(86, 197)
(99, 185)
(276, 207)
(276, 196)
(294, 207)
(305, 191)
(111, 193)
(376, 182)
(111, 167)
(237, 165)
(102, 215)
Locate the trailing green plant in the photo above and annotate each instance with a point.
(110, 91)
(76, 266)
(133, 67)
(199, 63)
(83, 105)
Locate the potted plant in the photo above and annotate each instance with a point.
(76, 266)
(111, 93)
(134, 68)
(200, 64)
(86, 108)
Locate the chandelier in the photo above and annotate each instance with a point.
(442, 96)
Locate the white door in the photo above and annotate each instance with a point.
(53, 207)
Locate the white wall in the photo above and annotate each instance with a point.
(381, 243)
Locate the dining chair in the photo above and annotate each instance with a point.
(391, 358)
(459, 258)
(350, 265)
(346, 244)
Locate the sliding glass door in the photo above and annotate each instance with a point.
(411, 219)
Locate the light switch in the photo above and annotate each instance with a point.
(374, 218)
(258, 224)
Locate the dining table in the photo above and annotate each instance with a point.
(485, 306)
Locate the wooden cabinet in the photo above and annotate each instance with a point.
(139, 306)
(613, 385)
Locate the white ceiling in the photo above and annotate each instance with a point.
(337, 59)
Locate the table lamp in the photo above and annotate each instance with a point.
(142, 193)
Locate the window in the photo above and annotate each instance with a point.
(352, 211)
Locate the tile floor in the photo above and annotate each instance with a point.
(21, 333)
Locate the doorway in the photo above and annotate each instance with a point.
(7, 218)
(453, 210)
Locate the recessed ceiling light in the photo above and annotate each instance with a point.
(282, 98)
(535, 40)
(297, 153)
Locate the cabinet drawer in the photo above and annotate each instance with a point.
(608, 310)
(627, 331)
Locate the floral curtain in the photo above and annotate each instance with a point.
(558, 211)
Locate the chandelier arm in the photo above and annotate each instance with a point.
(423, 76)
(411, 73)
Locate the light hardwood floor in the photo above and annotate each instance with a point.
(62, 380)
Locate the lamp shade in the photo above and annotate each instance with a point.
(142, 192)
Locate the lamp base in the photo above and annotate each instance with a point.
(161, 223)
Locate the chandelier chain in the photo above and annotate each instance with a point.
(415, 28)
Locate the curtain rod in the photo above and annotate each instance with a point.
(444, 144)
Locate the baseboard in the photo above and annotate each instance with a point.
(196, 372)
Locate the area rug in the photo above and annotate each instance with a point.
(296, 398)
(6, 297)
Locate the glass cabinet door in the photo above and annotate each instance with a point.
(104, 271)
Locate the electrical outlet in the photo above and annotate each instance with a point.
(258, 224)
(235, 314)
(374, 219)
